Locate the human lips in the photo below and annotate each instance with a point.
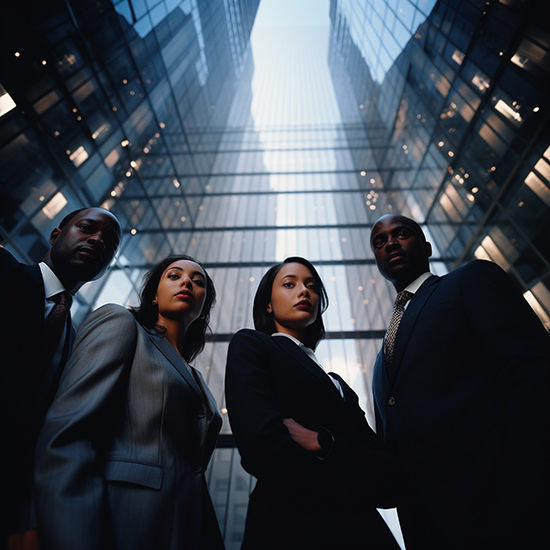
(89, 252)
(184, 295)
(304, 304)
(395, 257)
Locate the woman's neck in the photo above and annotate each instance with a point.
(174, 330)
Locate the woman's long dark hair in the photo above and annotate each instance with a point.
(147, 312)
(263, 321)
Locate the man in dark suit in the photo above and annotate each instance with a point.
(462, 399)
(36, 337)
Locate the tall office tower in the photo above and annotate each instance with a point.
(454, 96)
(116, 104)
(242, 135)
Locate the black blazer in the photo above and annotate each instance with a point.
(465, 410)
(299, 500)
(21, 376)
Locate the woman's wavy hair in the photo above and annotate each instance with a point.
(147, 312)
(263, 321)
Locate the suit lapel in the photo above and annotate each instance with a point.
(301, 358)
(407, 324)
(168, 350)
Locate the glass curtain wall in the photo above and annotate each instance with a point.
(458, 92)
(242, 135)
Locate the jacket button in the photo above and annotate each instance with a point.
(391, 401)
(197, 469)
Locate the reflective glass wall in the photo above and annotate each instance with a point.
(458, 95)
(243, 132)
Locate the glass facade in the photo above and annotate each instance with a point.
(243, 132)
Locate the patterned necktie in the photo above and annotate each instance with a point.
(55, 323)
(398, 309)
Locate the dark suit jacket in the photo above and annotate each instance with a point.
(121, 458)
(465, 409)
(21, 375)
(299, 500)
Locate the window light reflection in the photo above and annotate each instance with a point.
(6, 102)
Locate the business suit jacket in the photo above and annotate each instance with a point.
(22, 373)
(465, 409)
(121, 458)
(299, 500)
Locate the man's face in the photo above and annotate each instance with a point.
(83, 249)
(400, 251)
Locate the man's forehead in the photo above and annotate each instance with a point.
(96, 215)
(390, 222)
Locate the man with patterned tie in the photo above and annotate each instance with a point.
(36, 337)
(462, 390)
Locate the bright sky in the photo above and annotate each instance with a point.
(292, 13)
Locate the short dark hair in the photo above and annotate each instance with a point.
(263, 321)
(147, 312)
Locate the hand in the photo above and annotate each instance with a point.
(25, 541)
(307, 439)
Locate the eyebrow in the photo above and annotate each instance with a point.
(296, 276)
(398, 228)
(181, 269)
(113, 227)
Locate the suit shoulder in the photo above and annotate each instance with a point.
(113, 314)
(6, 257)
(483, 267)
(249, 338)
(475, 270)
(250, 334)
(10, 266)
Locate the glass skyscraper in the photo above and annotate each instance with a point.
(242, 132)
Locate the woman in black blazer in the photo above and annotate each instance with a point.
(320, 493)
(121, 458)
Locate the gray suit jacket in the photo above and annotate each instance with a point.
(121, 458)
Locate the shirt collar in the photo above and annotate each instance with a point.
(295, 340)
(417, 283)
(52, 285)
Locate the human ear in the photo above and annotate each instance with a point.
(428, 249)
(54, 235)
(269, 308)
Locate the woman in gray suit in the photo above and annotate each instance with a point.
(121, 457)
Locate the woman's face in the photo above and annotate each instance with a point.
(181, 292)
(294, 299)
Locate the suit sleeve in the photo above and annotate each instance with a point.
(266, 447)
(264, 443)
(515, 342)
(69, 485)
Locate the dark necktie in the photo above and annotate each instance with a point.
(55, 323)
(48, 378)
(398, 309)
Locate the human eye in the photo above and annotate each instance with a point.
(288, 284)
(312, 286)
(172, 275)
(84, 227)
(199, 282)
(378, 243)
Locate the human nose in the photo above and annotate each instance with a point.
(304, 291)
(186, 281)
(97, 239)
(392, 241)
